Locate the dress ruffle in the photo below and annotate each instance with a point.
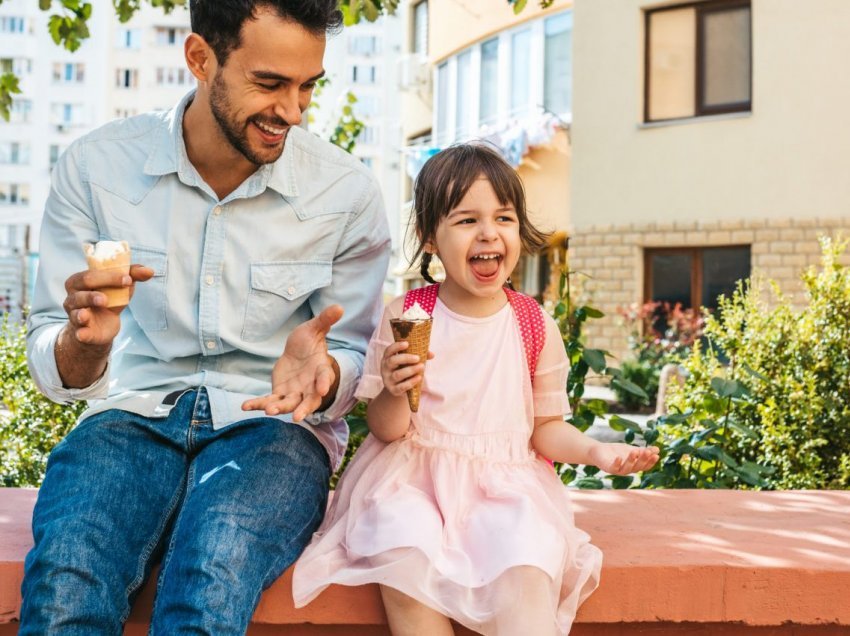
(451, 530)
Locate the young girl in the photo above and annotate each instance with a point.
(452, 509)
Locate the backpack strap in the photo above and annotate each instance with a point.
(532, 328)
(528, 313)
(425, 296)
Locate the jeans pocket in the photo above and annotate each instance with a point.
(148, 305)
(278, 288)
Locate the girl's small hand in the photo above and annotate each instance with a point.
(622, 459)
(401, 371)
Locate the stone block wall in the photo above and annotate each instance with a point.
(611, 259)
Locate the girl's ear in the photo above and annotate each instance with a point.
(429, 248)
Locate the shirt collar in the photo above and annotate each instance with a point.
(168, 155)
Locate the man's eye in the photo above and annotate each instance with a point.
(308, 87)
(268, 87)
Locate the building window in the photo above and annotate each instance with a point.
(14, 194)
(489, 89)
(698, 60)
(54, 151)
(66, 115)
(13, 152)
(463, 98)
(128, 39)
(420, 29)
(366, 106)
(69, 73)
(126, 77)
(13, 24)
(694, 277)
(557, 62)
(369, 136)
(442, 98)
(520, 72)
(364, 74)
(364, 45)
(21, 111)
(515, 75)
(122, 113)
(170, 36)
(174, 76)
(20, 66)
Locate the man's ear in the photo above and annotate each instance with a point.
(199, 58)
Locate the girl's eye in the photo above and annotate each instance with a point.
(507, 219)
(466, 221)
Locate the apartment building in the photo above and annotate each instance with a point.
(362, 60)
(709, 142)
(120, 70)
(477, 71)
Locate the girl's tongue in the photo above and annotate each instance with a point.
(484, 267)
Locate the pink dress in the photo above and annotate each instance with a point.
(453, 513)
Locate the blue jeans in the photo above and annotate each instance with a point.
(228, 511)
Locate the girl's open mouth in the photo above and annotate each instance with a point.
(485, 267)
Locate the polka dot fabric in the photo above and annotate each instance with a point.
(528, 314)
(531, 326)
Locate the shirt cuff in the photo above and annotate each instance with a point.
(350, 367)
(45, 374)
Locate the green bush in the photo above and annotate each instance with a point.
(31, 425)
(659, 333)
(789, 409)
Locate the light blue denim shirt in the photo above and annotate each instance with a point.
(233, 277)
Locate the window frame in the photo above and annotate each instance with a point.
(697, 273)
(701, 9)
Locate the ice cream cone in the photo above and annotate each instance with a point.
(119, 262)
(418, 334)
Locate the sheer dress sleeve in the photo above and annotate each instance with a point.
(550, 378)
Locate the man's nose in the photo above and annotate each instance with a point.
(288, 108)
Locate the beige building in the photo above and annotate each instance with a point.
(475, 70)
(710, 141)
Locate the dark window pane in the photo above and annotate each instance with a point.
(722, 268)
(671, 278)
(727, 57)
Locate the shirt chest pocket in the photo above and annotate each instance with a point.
(278, 289)
(148, 304)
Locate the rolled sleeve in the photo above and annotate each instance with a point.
(42, 364)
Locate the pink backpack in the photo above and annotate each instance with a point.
(528, 313)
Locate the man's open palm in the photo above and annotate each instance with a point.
(304, 374)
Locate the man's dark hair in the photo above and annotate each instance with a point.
(220, 22)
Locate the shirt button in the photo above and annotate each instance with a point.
(210, 344)
(209, 280)
(291, 290)
(217, 210)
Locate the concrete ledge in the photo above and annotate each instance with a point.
(676, 562)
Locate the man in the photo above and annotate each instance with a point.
(251, 233)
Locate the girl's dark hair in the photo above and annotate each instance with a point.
(220, 22)
(446, 178)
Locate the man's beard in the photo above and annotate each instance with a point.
(236, 133)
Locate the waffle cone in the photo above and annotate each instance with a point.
(115, 296)
(418, 334)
